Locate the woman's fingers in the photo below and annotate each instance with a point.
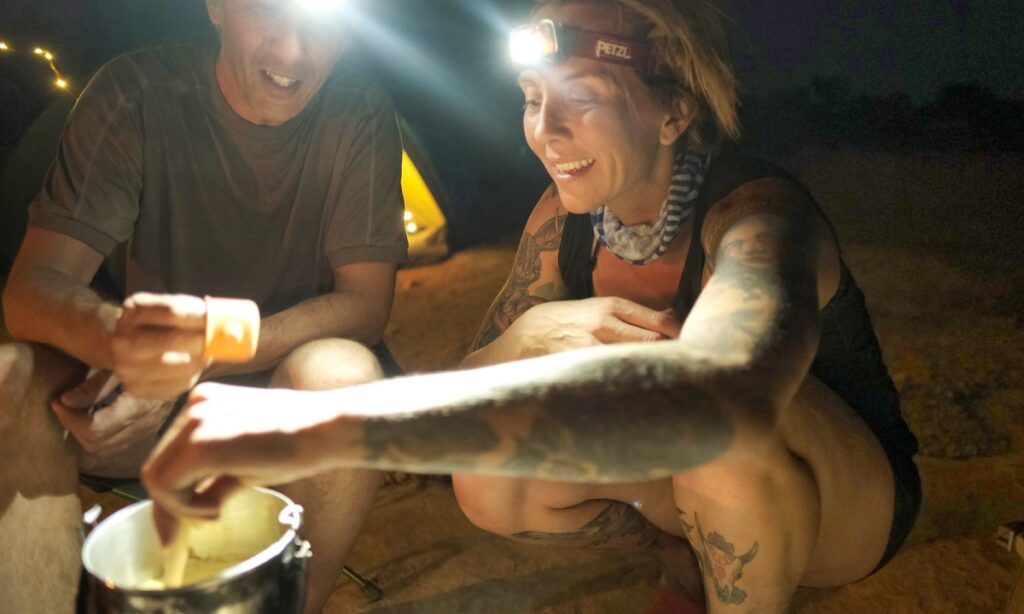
(662, 322)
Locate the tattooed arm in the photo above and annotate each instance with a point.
(532, 315)
(534, 280)
(773, 262)
(612, 413)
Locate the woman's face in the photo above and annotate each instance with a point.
(600, 145)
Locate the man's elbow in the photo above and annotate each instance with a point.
(13, 311)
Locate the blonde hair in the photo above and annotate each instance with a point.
(689, 38)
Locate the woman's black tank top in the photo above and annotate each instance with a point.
(849, 359)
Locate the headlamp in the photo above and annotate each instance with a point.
(319, 7)
(549, 42)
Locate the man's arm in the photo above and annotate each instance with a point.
(48, 299)
(358, 309)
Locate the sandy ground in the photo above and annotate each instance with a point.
(950, 317)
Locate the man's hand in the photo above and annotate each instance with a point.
(158, 345)
(566, 325)
(227, 437)
(105, 421)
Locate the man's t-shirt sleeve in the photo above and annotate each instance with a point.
(92, 190)
(366, 222)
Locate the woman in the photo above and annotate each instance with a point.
(755, 419)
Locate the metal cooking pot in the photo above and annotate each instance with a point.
(256, 536)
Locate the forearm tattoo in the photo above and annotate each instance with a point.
(515, 298)
(617, 526)
(722, 567)
(763, 285)
(623, 419)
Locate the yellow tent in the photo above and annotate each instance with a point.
(425, 225)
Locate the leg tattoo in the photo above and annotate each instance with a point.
(618, 525)
(718, 560)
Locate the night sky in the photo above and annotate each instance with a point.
(880, 46)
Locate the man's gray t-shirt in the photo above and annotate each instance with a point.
(214, 205)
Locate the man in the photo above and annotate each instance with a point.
(266, 168)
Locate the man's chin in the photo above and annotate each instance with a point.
(275, 115)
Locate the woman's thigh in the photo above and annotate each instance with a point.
(512, 505)
(853, 477)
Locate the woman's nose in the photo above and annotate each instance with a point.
(550, 123)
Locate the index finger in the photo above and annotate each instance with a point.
(179, 311)
(661, 322)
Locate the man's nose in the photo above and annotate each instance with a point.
(288, 40)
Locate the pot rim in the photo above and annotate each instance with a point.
(289, 517)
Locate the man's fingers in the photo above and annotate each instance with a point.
(178, 311)
(159, 345)
(78, 423)
(90, 392)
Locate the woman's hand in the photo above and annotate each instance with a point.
(227, 437)
(566, 325)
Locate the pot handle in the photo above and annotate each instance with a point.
(291, 516)
(91, 518)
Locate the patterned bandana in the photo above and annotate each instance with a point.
(645, 243)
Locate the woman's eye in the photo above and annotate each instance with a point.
(531, 105)
(581, 99)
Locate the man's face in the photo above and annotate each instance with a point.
(274, 56)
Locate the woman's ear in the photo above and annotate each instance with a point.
(681, 113)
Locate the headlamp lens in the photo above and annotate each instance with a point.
(319, 6)
(532, 43)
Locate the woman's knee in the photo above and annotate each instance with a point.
(772, 476)
(326, 364)
(492, 504)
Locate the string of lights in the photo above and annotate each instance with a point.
(43, 54)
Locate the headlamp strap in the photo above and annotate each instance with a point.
(605, 47)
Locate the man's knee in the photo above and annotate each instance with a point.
(326, 364)
(31, 373)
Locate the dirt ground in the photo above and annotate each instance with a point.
(933, 242)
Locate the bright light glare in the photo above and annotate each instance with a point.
(412, 228)
(61, 83)
(4, 47)
(37, 51)
(528, 45)
(408, 216)
(319, 6)
(48, 55)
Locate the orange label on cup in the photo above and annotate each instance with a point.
(232, 329)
